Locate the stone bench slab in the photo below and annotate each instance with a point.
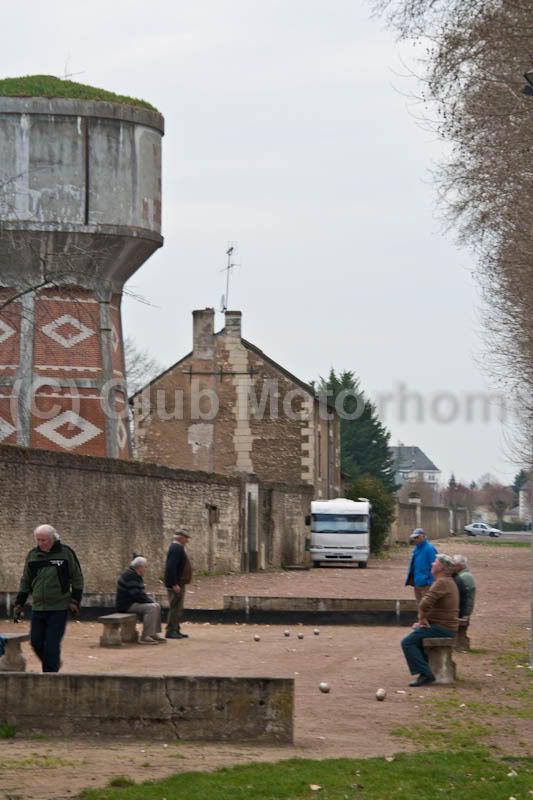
(439, 652)
(13, 659)
(118, 629)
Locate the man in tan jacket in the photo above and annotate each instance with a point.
(438, 614)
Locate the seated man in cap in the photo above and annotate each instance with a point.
(131, 598)
(467, 588)
(419, 574)
(437, 617)
(178, 574)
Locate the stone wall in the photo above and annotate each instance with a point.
(108, 509)
(165, 707)
(434, 520)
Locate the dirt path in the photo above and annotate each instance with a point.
(354, 660)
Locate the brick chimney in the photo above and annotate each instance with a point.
(233, 324)
(203, 333)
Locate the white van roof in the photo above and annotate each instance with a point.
(341, 505)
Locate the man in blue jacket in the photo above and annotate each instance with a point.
(419, 575)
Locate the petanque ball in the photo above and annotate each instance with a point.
(300, 636)
(316, 632)
(324, 687)
(257, 638)
(286, 633)
(381, 694)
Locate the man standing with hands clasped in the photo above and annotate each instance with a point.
(178, 573)
(52, 575)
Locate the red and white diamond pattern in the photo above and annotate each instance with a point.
(5, 331)
(6, 429)
(122, 435)
(86, 430)
(67, 338)
(115, 338)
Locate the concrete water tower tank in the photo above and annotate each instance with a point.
(80, 211)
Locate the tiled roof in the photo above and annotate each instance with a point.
(411, 458)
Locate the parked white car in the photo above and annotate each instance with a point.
(481, 529)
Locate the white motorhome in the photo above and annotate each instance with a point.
(340, 531)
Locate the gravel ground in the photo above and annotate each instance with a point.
(355, 661)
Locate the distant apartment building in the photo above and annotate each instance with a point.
(416, 476)
(228, 408)
(411, 465)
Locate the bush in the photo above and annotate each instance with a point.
(516, 526)
(121, 781)
(7, 731)
(382, 503)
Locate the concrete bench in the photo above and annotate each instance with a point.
(118, 629)
(462, 641)
(439, 652)
(13, 660)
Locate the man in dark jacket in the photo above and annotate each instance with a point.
(53, 576)
(177, 576)
(131, 598)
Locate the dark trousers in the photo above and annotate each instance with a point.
(175, 610)
(47, 629)
(413, 650)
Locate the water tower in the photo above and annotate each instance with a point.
(80, 211)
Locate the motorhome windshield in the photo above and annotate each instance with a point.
(340, 523)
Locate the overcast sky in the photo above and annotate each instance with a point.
(290, 131)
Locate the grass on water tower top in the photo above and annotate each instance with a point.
(50, 86)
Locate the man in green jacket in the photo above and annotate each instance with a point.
(53, 576)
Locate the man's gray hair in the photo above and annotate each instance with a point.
(460, 561)
(138, 561)
(448, 564)
(48, 530)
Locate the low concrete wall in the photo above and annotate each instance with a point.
(162, 707)
(242, 602)
(261, 610)
(323, 610)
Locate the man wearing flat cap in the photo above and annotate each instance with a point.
(178, 573)
(438, 613)
(419, 574)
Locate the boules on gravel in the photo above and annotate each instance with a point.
(286, 633)
(324, 687)
(381, 694)
(316, 632)
(257, 638)
(300, 636)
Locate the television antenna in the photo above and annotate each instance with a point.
(224, 301)
(66, 74)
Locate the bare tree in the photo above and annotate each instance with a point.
(141, 367)
(475, 56)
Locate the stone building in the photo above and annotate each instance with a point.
(230, 409)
